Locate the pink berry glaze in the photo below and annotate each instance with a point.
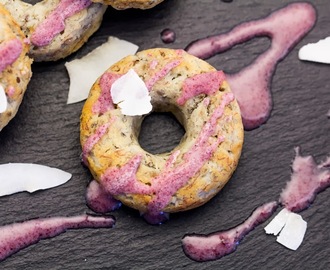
(205, 83)
(93, 139)
(17, 236)
(104, 102)
(122, 180)
(98, 200)
(216, 245)
(54, 23)
(308, 179)
(251, 86)
(162, 73)
(9, 52)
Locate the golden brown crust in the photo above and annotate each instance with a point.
(15, 77)
(120, 143)
(124, 4)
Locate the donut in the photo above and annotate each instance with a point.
(15, 67)
(196, 169)
(124, 4)
(56, 28)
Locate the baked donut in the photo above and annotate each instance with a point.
(15, 67)
(56, 28)
(124, 4)
(195, 170)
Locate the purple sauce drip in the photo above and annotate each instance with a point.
(9, 52)
(98, 200)
(54, 23)
(251, 86)
(216, 245)
(168, 36)
(307, 180)
(17, 236)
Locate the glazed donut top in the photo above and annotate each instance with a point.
(195, 170)
(56, 28)
(124, 4)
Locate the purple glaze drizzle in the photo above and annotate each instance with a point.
(123, 180)
(98, 200)
(9, 52)
(104, 102)
(251, 86)
(54, 23)
(307, 180)
(93, 139)
(204, 83)
(17, 236)
(168, 36)
(216, 245)
(162, 73)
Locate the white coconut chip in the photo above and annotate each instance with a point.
(85, 71)
(18, 177)
(131, 94)
(290, 228)
(316, 52)
(3, 100)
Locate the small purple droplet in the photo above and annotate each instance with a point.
(168, 36)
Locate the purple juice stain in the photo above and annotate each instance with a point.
(17, 236)
(307, 180)
(98, 200)
(251, 86)
(168, 36)
(214, 246)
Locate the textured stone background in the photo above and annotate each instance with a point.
(46, 131)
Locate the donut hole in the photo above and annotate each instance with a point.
(160, 132)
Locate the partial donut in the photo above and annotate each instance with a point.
(56, 28)
(195, 170)
(124, 4)
(15, 67)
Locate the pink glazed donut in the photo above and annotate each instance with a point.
(194, 171)
(124, 4)
(56, 28)
(15, 67)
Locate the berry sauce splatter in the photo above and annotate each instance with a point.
(308, 179)
(216, 245)
(98, 200)
(251, 86)
(17, 236)
(168, 36)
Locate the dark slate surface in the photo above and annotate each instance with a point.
(46, 131)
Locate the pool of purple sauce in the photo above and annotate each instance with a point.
(251, 86)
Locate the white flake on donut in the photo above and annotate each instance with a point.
(131, 94)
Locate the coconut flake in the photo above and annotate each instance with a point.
(17, 177)
(84, 72)
(293, 232)
(3, 100)
(291, 229)
(278, 222)
(131, 94)
(316, 52)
